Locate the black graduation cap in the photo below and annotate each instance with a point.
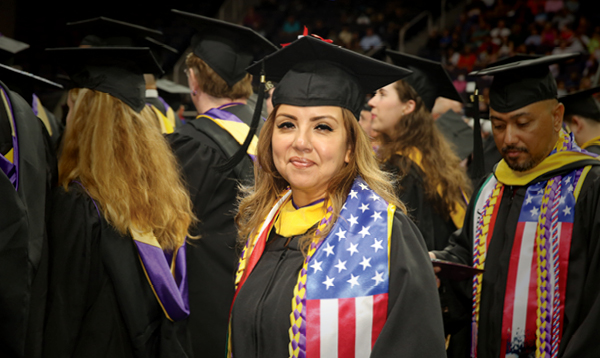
(518, 84)
(118, 71)
(311, 72)
(10, 47)
(429, 78)
(582, 104)
(456, 131)
(10, 75)
(106, 32)
(168, 86)
(378, 53)
(227, 48)
(103, 31)
(515, 58)
(171, 92)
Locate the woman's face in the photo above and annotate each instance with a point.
(386, 109)
(309, 148)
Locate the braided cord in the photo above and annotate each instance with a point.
(555, 246)
(244, 260)
(479, 251)
(297, 332)
(547, 266)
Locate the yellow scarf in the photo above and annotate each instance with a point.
(593, 141)
(292, 221)
(458, 213)
(562, 157)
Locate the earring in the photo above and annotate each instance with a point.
(194, 93)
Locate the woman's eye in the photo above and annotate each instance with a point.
(324, 127)
(285, 125)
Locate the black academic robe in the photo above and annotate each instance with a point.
(212, 259)
(436, 229)
(582, 305)
(261, 313)
(593, 149)
(491, 157)
(100, 303)
(410, 189)
(23, 250)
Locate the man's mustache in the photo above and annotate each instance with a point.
(513, 148)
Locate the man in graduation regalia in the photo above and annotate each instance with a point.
(205, 147)
(582, 116)
(532, 226)
(27, 172)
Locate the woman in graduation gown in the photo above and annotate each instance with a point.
(331, 264)
(118, 285)
(430, 181)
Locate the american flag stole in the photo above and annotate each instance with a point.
(347, 281)
(539, 261)
(535, 290)
(341, 297)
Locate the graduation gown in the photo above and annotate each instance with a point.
(593, 149)
(582, 302)
(435, 230)
(211, 260)
(411, 191)
(261, 313)
(23, 251)
(100, 303)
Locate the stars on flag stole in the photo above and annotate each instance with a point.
(341, 298)
(535, 289)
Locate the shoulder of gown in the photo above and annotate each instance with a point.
(73, 242)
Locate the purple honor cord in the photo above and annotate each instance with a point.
(171, 289)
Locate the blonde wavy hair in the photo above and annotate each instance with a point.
(212, 84)
(256, 201)
(126, 165)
